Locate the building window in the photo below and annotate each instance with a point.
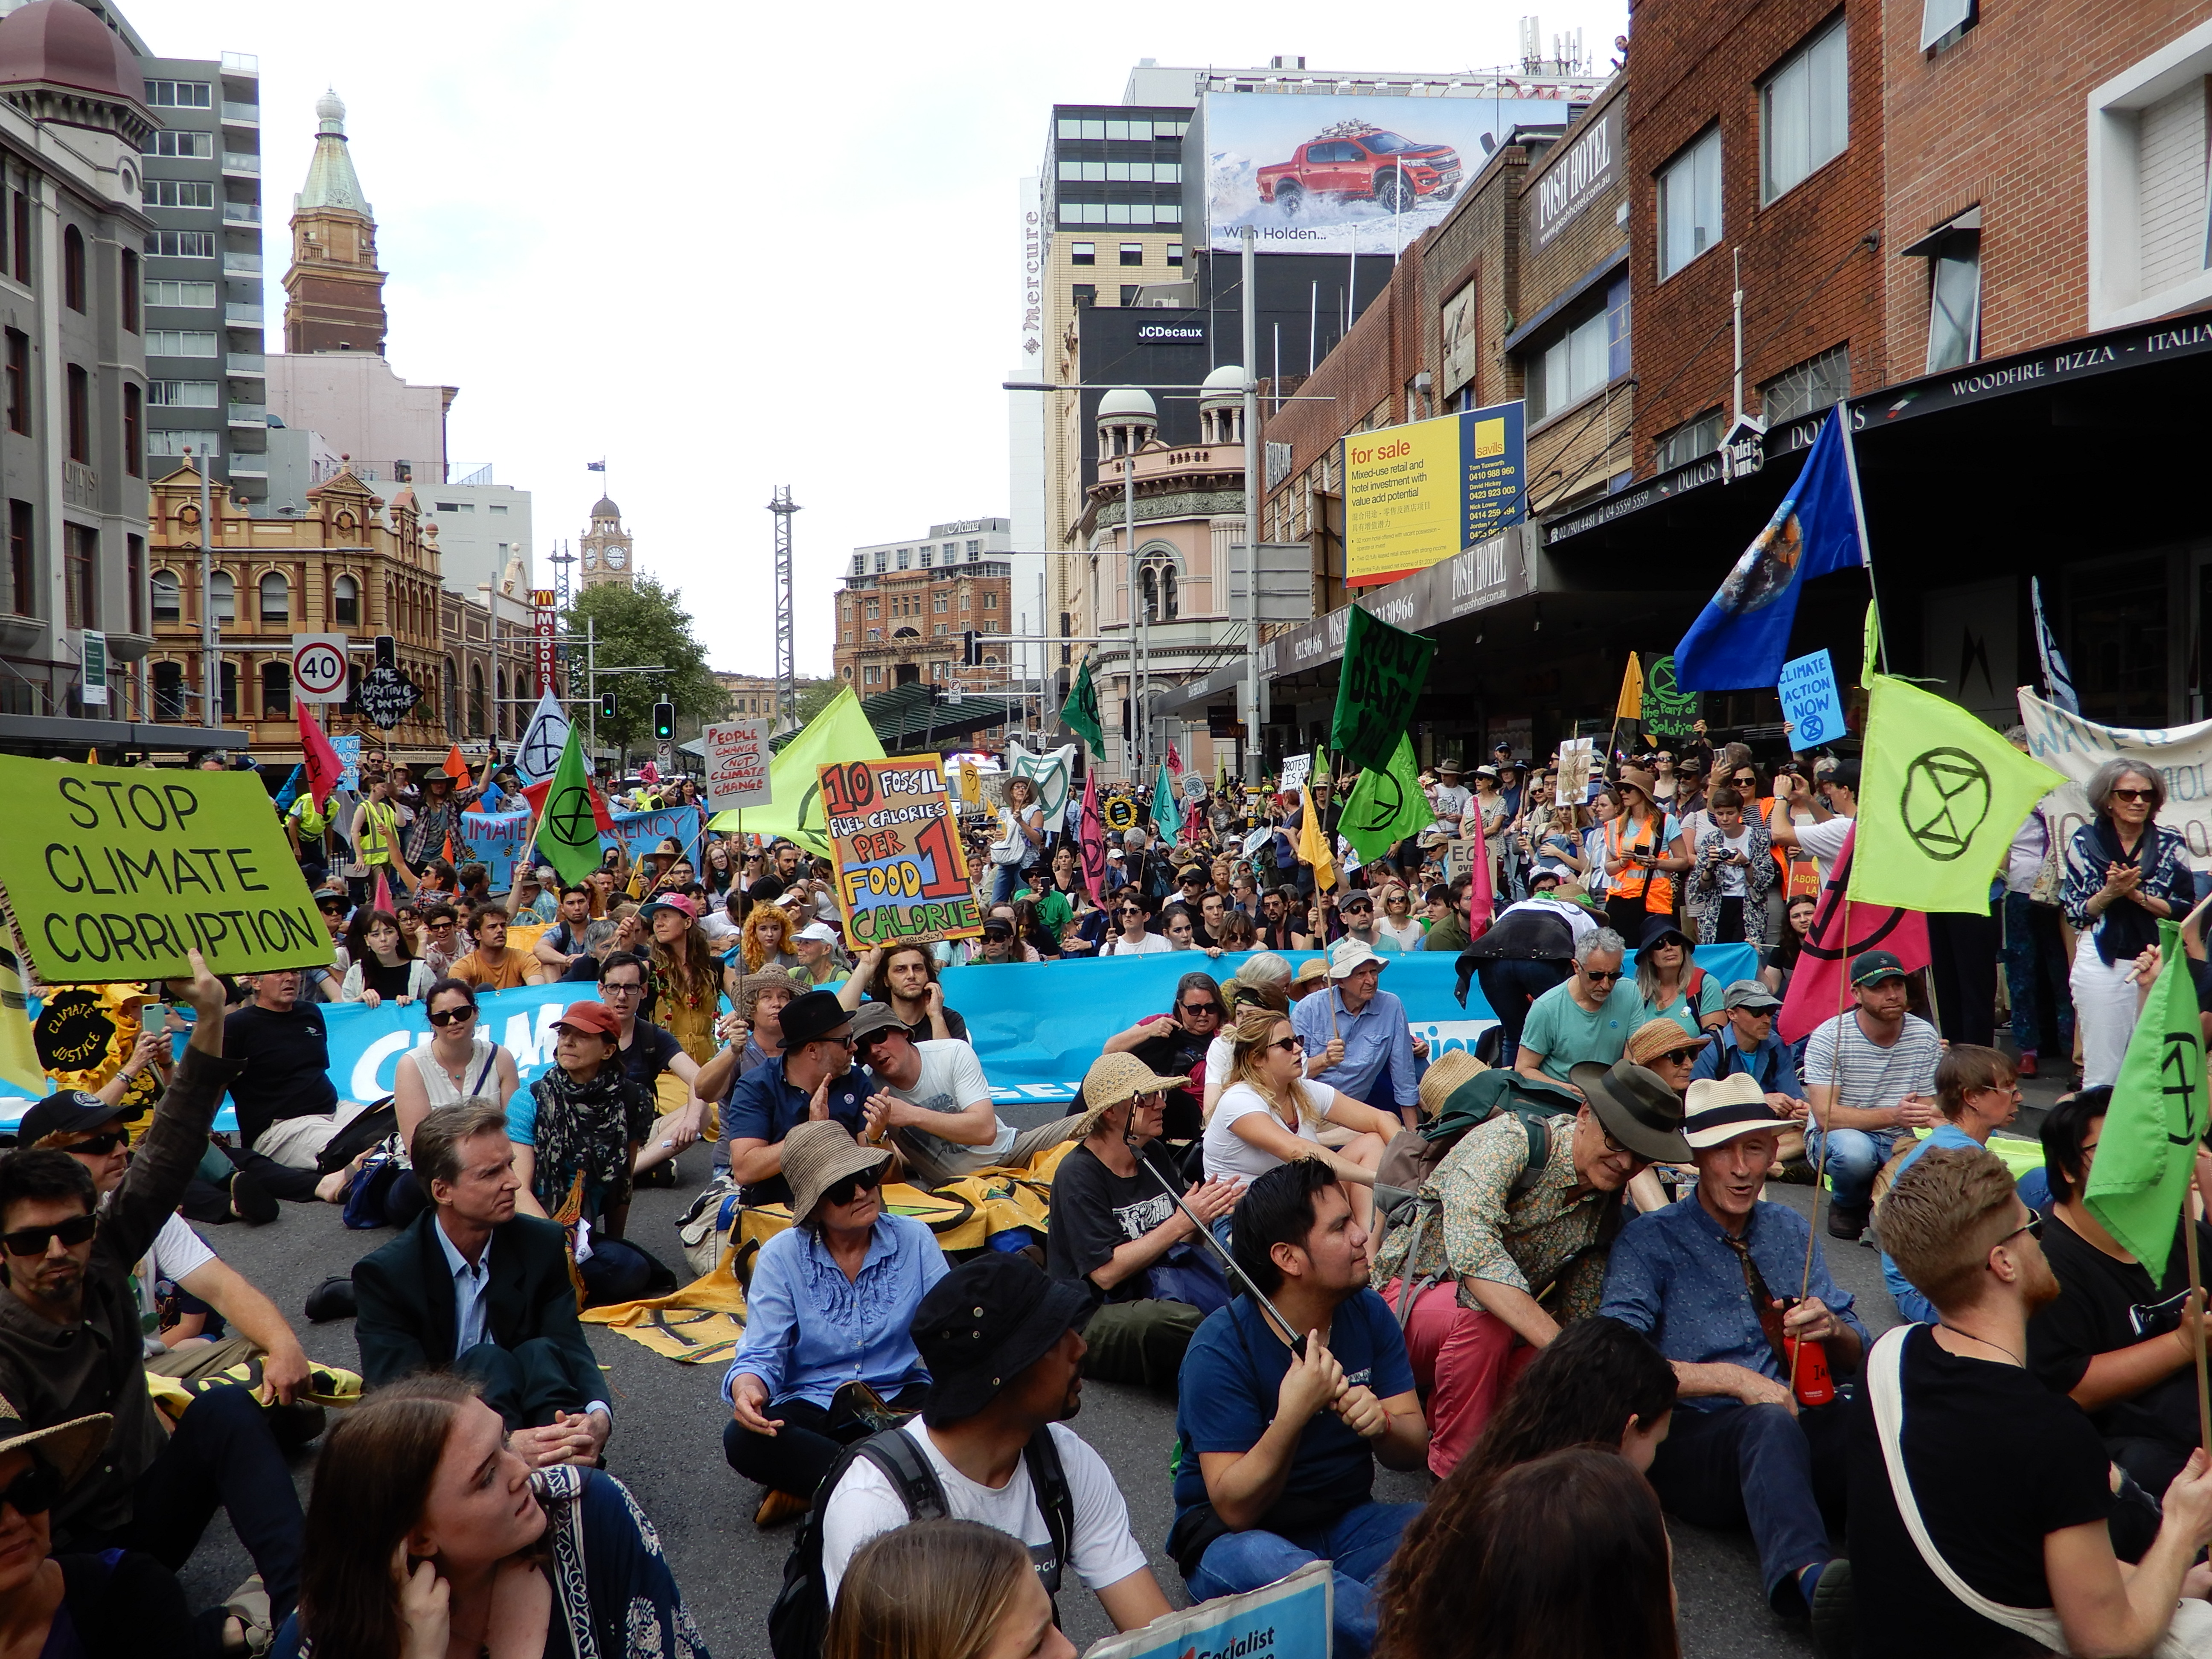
(990, 602)
(181, 244)
(169, 597)
(180, 343)
(475, 700)
(1580, 354)
(276, 599)
(1943, 22)
(178, 94)
(874, 608)
(1690, 203)
(175, 439)
(1175, 254)
(73, 268)
(79, 386)
(222, 596)
(134, 577)
(23, 239)
(23, 582)
(168, 690)
(191, 146)
(1085, 294)
(1687, 442)
(1954, 301)
(975, 549)
(276, 690)
(938, 602)
(183, 296)
(230, 688)
(131, 290)
(19, 381)
(1083, 254)
(1816, 384)
(1133, 254)
(1161, 604)
(345, 601)
(880, 559)
(181, 394)
(80, 576)
(176, 193)
(134, 421)
(1804, 112)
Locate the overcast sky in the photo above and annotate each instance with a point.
(731, 246)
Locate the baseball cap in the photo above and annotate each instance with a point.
(1870, 967)
(591, 1017)
(870, 1018)
(677, 901)
(819, 931)
(998, 926)
(984, 1323)
(1748, 993)
(72, 1112)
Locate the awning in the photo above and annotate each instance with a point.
(35, 735)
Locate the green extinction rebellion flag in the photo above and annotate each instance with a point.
(1080, 712)
(568, 832)
(1940, 795)
(2158, 1115)
(1384, 670)
(1386, 805)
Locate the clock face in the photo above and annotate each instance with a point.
(617, 557)
(591, 558)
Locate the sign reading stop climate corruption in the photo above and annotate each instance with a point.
(896, 847)
(113, 874)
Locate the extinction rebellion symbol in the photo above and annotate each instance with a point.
(1946, 797)
(568, 818)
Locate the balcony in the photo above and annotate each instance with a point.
(79, 486)
(241, 213)
(242, 63)
(238, 163)
(248, 466)
(240, 115)
(252, 365)
(249, 416)
(241, 264)
(242, 316)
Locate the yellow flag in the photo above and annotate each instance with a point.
(19, 1052)
(1631, 705)
(839, 732)
(1313, 841)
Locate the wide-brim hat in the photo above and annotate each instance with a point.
(1656, 1036)
(1448, 768)
(72, 1448)
(986, 1322)
(1662, 930)
(1446, 1072)
(1637, 778)
(1114, 1078)
(817, 1155)
(1722, 1109)
(1636, 1106)
(810, 1018)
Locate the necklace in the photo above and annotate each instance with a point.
(1986, 1343)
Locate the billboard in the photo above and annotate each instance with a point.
(1418, 494)
(1347, 175)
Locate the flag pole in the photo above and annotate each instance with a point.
(1843, 415)
(2195, 1306)
(1820, 1166)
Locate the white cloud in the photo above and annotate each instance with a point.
(726, 247)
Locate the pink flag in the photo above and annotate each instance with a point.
(1817, 988)
(1174, 761)
(1090, 840)
(381, 899)
(1481, 898)
(324, 766)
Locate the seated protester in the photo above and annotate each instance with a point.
(557, 948)
(426, 1521)
(1698, 1278)
(1361, 1034)
(460, 1066)
(444, 943)
(647, 1051)
(903, 977)
(598, 938)
(1358, 909)
(1276, 1451)
(325, 983)
(936, 1105)
(1748, 1044)
(494, 964)
(384, 968)
(1132, 913)
(1672, 984)
(1527, 950)
(1586, 1019)
(288, 1111)
(1002, 1384)
(817, 948)
(577, 1131)
(473, 1288)
(1977, 1092)
(826, 1344)
(1114, 1228)
(1509, 1234)
(1176, 1045)
(71, 1342)
(2113, 1339)
(813, 1077)
(2013, 1486)
(751, 1036)
(1234, 934)
(530, 902)
(1269, 1113)
(1870, 1072)
(722, 923)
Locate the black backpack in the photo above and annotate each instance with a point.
(800, 1615)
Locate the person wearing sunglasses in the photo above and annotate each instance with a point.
(1174, 1044)
(2124, 873)
(812, 1077)
(1748, 1044)
(1270, 1114)
(1587, 1017)
(935, 1104)
(1131, 912)
(827, 1348)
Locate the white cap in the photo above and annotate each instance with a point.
(819, 930)
(1348, 954)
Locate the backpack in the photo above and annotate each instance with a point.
(799, 1616)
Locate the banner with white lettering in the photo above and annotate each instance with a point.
(641, 832)
(494, 840)
(1289, 1619)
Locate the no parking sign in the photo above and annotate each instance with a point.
(319, 667)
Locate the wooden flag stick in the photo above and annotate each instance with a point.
(2195, 1317)
(1821, 1168)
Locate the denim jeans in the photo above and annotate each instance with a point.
(1854, 1156)
(1759, 1466)
(2035, 977)
(1358, 1543)
(1006, 880)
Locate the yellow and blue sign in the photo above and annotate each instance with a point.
(1418, 494)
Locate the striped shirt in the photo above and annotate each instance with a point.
(1872, 1077)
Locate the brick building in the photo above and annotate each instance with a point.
(905, 624)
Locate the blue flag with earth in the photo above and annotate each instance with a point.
(1742, 638)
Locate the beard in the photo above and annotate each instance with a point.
(2042, 1288)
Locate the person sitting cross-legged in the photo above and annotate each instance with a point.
(473, 1287)
(1703, 1278)
(812, 1078)
(1870, 1074)
(1277, 1450)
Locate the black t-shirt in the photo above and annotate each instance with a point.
(650, 1050)
(1996, 1462)
(388, 982)
(1096, 1211)
(285, 1066)
(584, 970)
(2105, 1304)
(955, 1027)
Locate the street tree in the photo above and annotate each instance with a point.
(639, 626)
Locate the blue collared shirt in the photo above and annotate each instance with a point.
(809, 1329)
(1722, 1056)
(1673, 1276)
(764, 1106)
(471, 1316)
(1378, 1046)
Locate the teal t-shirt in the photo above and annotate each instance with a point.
(1566, 1034)
(1684, 1014)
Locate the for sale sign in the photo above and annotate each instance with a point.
(737, 764)
(896, 847)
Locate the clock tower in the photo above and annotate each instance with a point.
(605, 550)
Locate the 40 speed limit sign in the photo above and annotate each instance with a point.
(319, 667)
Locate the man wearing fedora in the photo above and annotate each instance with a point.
(1450, 797)
(1115, 1230)
(813, 1078)
(1712, 1280)
(1522, 1246)
(1361, 1032)
(1004, 1350)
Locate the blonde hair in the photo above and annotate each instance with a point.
(930, 1589)
(1943, 1217)
(1249, 1045)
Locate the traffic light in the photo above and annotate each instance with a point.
(664, 722)
(606, 705)
(971, 654)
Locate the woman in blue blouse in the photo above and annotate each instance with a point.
(2122, 874)
(826, 1343)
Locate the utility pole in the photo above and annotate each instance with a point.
(210, 636)
(1255, 688)
(1140, 636)
(592, 688)
(787, 686)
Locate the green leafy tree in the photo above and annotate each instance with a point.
(813, 699)
(637, 626)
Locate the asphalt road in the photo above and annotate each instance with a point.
(667, 1448)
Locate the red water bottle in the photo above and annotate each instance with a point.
(1815, 1387)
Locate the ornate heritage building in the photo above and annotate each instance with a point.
(604, 550)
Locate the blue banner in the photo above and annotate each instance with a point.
(494, 840)
(641, 832)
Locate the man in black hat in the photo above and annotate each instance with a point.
(936, 1102)
(812, 1079)
(1005, 1366)
(1524, 1205)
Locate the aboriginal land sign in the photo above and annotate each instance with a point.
(901, 874)
(114, 873)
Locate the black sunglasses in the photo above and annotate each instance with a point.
(33, 1491)
(1356, 904)
(1290, 1043)
(1680, 1056)
(853, 1185)
(453, 1016)
(102, 1144)
(2033, 1228)
(2135, 795)
(1201, 1007)
(1602, 978)
(34, 1241)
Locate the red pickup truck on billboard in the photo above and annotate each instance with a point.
(1354, 161)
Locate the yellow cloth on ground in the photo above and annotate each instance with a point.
(327, 1385)
(701, 1323)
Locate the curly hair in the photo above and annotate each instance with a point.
(755, 950)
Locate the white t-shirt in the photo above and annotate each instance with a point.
(1150, 945)
(1450, 801)
(1825, 841)
(1102, 1550)
(952, 1078)
(1732, 874)
(1220, 1056)
(178, 1250)
(1228, 1154)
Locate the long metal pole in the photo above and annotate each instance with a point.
(211, 637)
(1139, 617)
(1255, 691)
(592, 688)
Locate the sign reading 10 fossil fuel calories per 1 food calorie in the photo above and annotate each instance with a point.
(900, 871)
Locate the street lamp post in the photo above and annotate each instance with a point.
(1254, 688)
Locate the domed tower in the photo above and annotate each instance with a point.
(604, 550)
(1128, 420)
(334, 292)
(60, 64)
(1221, 406)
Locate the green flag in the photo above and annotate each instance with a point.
(1940, 795)
(1384, 670)
(839, 732)
(1079, 713)
(1167, 810)
(1872, 645)
(2158, 1115)
(1386, 805)
(569, 831)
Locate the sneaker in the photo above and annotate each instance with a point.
(251, 1201)
(1848, 1221)
(1835, 1613)
(660, 1175)
(1795, 1172)
(2026, 1067)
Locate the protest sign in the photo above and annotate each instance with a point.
(1384, 670)
(737, 764)
(113, 874)
(1810, 702)
(641, 832)
(348, 748)
(1669, 712)
(1297, 768)
(2182, 755)
(1289, 1619)
(901, 874)
(494, 840)
(1577, 758)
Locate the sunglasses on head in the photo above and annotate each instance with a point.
(453, 1016)
(34, 1241)
(853, 1185)
(33, 1491)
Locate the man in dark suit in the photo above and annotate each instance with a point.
(474, 1288)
